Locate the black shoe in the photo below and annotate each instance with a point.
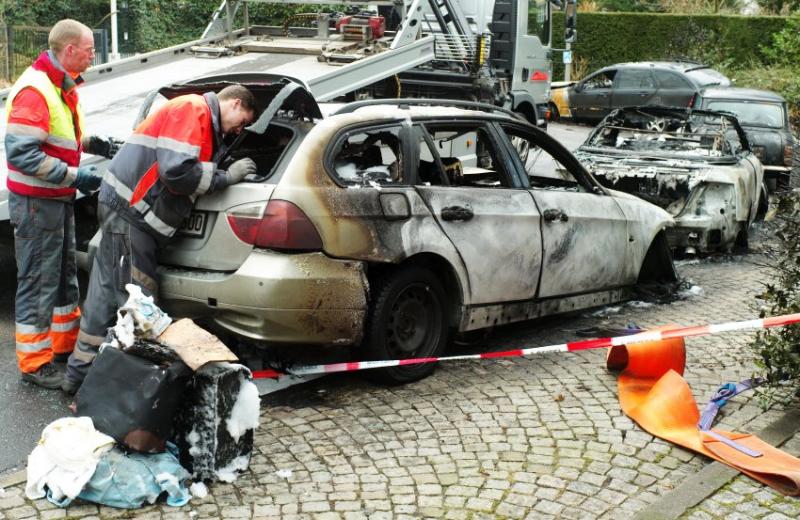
(69, 387)
(47, 376)
(61, 358)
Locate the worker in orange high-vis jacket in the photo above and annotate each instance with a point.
(44, 140)
(147, 193)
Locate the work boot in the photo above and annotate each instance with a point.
(69, 387)
(46, 376)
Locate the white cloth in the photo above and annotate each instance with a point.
(65, 458)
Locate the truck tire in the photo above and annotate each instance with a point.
(406, 319)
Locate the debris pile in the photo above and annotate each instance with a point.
(163, 411)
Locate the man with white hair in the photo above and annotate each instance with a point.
(44, 140)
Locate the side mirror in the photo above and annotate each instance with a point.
(578, 87)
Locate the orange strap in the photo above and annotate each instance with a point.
(653, 393)
(147, 181)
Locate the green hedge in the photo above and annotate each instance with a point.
(721, 41)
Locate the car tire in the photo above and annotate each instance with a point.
(555, 116)
(407, 318)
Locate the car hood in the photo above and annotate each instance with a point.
(667, 183)
(632, 166)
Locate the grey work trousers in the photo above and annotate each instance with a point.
(126, 255)
(46, 305)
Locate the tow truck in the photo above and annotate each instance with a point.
(493, 51)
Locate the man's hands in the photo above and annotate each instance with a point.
(239, 170)
(87, 180)
(105, 146)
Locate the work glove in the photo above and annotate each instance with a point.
(105, 146)
(239, 170)
(87, 180)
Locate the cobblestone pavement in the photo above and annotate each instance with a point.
(523, 438)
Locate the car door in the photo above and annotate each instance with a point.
(584, 230)
(673, 90)
(590, 99)
(633, 87)
(468, 184)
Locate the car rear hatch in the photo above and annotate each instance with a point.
(207, 240)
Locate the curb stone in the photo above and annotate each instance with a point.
(12, 479)
(702, 484)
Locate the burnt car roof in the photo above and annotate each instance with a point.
(619, 115)
(681, 66)
(739, 93)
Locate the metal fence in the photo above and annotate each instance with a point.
(21, 44)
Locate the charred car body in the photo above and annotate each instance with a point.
(696, 164)
(391, 224)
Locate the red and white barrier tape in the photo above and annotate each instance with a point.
(650, 335)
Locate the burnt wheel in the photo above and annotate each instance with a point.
(555, 116)
(407, 319)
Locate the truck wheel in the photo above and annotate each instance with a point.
(406, 319)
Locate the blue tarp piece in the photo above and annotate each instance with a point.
(129, 480)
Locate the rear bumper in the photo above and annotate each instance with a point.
(275, 298)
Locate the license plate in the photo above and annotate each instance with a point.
(194, 225)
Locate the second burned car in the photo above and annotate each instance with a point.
(389, 226)
(696, 164)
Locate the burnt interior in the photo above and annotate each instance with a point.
(682, 134)
(264, 149)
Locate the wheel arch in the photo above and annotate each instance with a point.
(657, 266)
(443, 271)
(527, 109)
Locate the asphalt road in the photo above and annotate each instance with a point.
(27, 409)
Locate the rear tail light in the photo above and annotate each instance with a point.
(692, 100)
(788, 155)
(280, 225)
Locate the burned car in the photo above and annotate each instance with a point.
(696, 164)
(389, 225)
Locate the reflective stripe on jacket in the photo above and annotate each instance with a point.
(43, 148)
(166, 164)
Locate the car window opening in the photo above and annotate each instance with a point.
(604, 79)
(757, 114)
(369, 158)
(265, 149)
(544, 171)
(468, 156)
